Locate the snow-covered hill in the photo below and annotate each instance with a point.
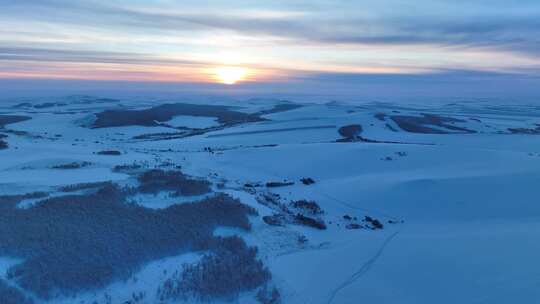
(347, 203)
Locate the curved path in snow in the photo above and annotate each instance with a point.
(363, 270)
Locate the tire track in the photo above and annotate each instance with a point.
(363, 270)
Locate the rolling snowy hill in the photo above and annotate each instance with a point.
(369, 203)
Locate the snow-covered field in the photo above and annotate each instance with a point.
(453, 189)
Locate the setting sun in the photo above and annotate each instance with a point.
(230, 75)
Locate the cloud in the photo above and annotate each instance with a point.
(310, 28)
(517, 32)
(83, 56)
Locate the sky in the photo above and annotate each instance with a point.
(367, 47)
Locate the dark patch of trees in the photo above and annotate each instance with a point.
(300, 212)
(84, 186)
(353, 226)
(128, 168)
(72, 165)
(156, 180)
(231, 268)
(153, 116)
(274, 220)
(10, 119)
(307, 181)
(350, 131)
(426, 122)
(307, 206)
(534, 131)
(80, 242)
(252, 185)
(10, 295)
(310, 221)
(278, 184)
(401, 153)
(375, 223)
(109, 152)
(161, 136)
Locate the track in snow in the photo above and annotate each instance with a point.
(363, 270)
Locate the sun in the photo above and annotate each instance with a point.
(230, 75)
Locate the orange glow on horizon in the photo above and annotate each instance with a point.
(230, 75)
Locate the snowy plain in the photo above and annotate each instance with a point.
(460, 211)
